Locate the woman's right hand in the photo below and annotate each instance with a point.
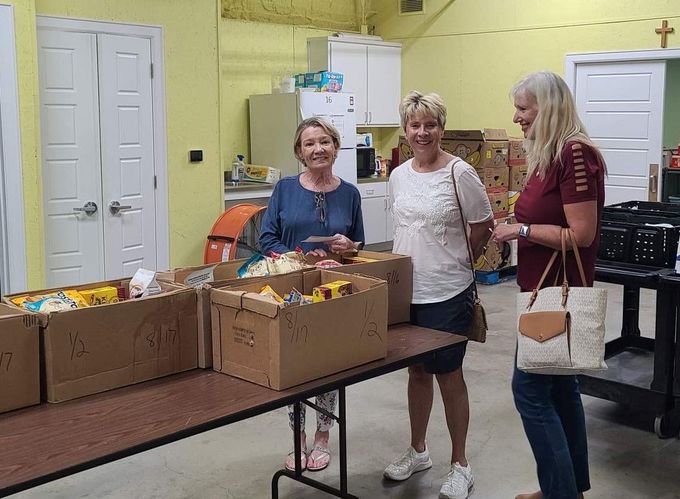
(317, 252)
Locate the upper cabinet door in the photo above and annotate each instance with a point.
(350, 60)
(384, 85)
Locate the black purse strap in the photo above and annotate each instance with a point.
(465, 229)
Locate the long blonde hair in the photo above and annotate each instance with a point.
(556, 123)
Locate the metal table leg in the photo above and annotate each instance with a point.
(297, 474)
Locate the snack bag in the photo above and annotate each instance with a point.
(143, 283)
(54, 302)
(287, 262)
(256, 265)
(268, 291)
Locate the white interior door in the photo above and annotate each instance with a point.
(621, 105)
(127, 154)
(97, 142)
(71, 166)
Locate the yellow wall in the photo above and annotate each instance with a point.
(29, 124)
(190, 37)
(472, 52)
(250, 53)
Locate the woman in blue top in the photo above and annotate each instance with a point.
(314, 203)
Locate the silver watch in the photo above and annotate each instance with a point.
(525, 230)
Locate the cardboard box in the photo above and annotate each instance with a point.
(93, 349)
(516, 154)
(499, 203)
(324, 81)
(487, 148)
(405, 151)
(276, 347)
(202, 277)
(262, 174)
(397, 270)
(518, 177)
(495, 179)
(19, 358)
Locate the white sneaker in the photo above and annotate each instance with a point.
(458, 483)
(408, 464)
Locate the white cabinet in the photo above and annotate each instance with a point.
(376, 213)
(372, 72)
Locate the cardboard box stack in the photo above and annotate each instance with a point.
(257, 339)
(487, 151)
(517, 162)
(19, 358)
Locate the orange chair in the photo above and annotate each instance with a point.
(229, 232)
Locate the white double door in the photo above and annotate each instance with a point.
(621, 105)
(97, 155)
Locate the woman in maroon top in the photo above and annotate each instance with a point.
(565, 188)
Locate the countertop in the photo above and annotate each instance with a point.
(370, 180)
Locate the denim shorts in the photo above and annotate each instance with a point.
(452, 316)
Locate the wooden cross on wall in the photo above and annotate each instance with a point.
(664, 30)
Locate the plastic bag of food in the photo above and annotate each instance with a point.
(54, 302)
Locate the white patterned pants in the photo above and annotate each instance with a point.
(323, 423)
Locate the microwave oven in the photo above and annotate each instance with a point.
(365, 161)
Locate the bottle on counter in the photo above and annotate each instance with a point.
(238, 169)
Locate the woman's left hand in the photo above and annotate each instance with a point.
(340, 244)
(506, 232)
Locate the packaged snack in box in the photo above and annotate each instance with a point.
(100, 296)
(54, 302)
(331, 290)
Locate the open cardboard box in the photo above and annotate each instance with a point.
(257, 340)
(97, 348)
(396, 269)
(19, 358)
(202, 277)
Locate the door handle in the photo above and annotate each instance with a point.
(115, 207)
(365, 116)
(89, 208)
(653, 182)
(370, 116)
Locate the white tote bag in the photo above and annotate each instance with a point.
(560, 329)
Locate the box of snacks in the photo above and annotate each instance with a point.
(19, 358)
(393, 268)
(283, 330)
(110, 334)
(204, 277)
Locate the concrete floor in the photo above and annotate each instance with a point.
(627, 460)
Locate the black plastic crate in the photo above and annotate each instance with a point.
(645, 207)
(638, 243)
(641, 217)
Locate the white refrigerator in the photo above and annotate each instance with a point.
(275, 117)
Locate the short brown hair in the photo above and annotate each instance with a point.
(430, 104)
(314, 121)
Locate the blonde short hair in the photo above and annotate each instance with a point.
(314, 121)
(417, 103)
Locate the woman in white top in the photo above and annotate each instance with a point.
(428, 228)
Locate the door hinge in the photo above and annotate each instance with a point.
(151, 69)
(155, 182)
